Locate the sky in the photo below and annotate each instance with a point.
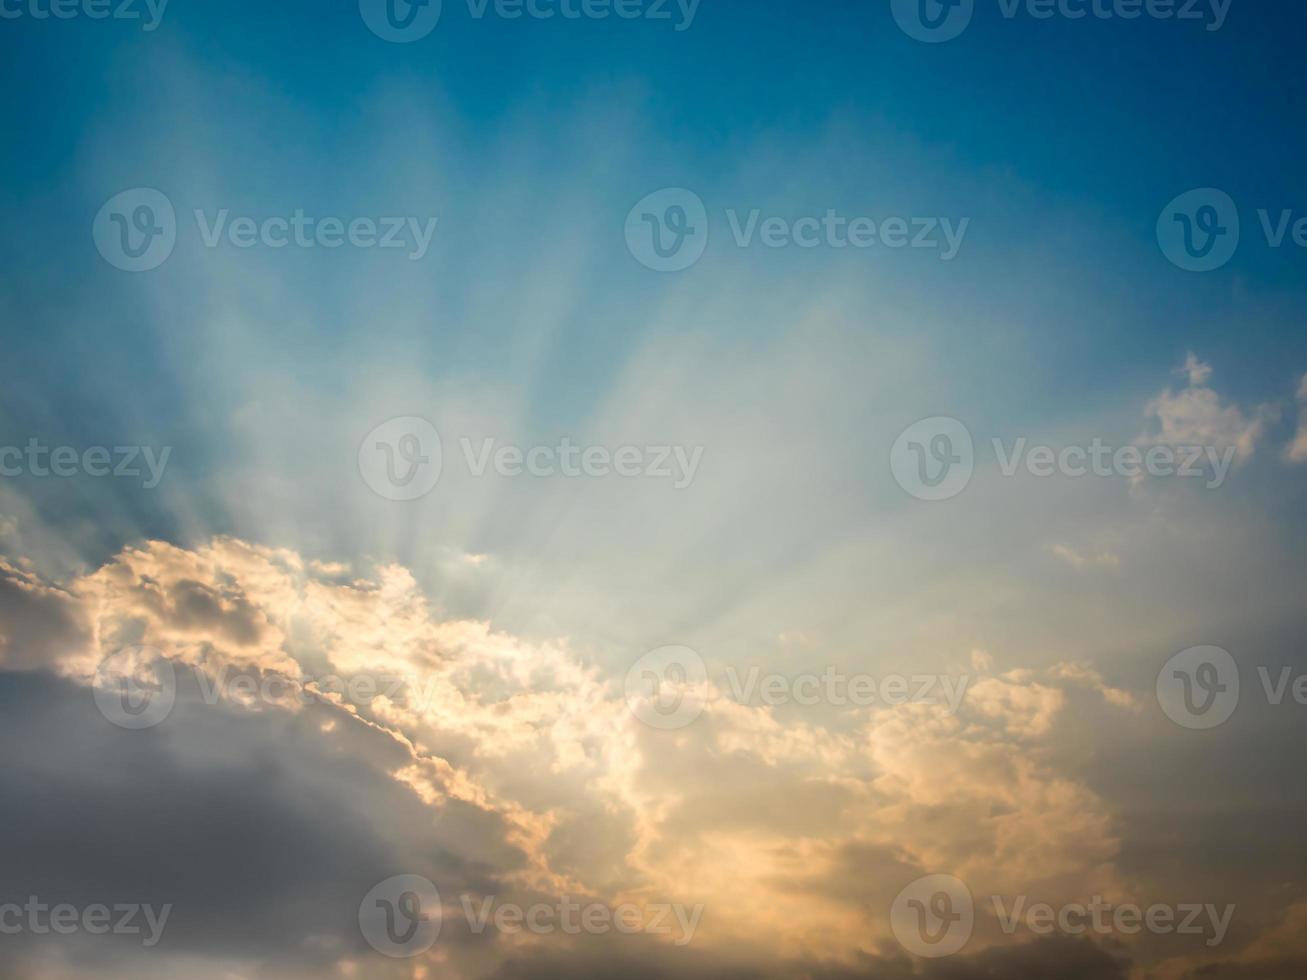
(759, 490)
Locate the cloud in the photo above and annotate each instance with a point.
(1049, 959)
(1197, 416)
(1297, 450)
(38, 622)
(1100, 559)
(502, 767)
(1279, 951)
(1197, 372)
(262, 832)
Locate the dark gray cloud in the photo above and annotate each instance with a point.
(1046, 959)
(261, 830)
(37, 623)
(1279, 968)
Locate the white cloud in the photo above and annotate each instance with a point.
(1100, 559)
(1196, 416)
(1197, 371)
(1297, 451)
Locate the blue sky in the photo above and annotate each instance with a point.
(1062, 155)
